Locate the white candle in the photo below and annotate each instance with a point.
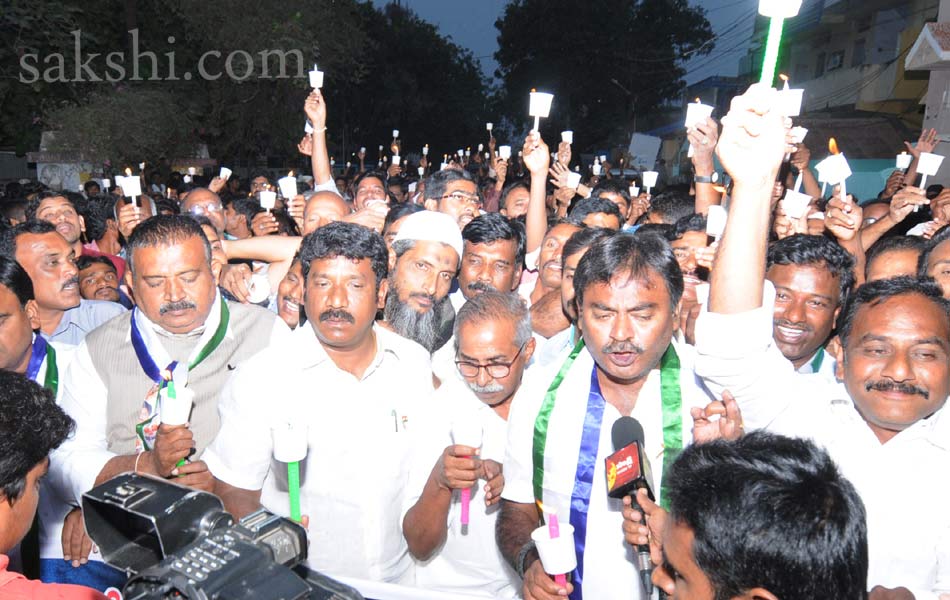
(397, 159)
(225, 173)
(192, 171)
(460, 153)
(696, 113)
(106, 184)
(316, 78)
(504, 152)
(268, 199)
(489, 126)
(716, 221)
(649, 180)
(443, 166)
(131, 186)
(790, 101)
(362, 149)
(395, 133)
(421, 171)
(425, 150)
(539, 106)
(634, 191)
(290, 442)
(480, 147)
(903, 161)
(567, 136)
(595, 168)
(288, 186)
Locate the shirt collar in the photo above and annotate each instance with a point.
(313, 354)
(214, 318)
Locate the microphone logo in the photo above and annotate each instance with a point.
(611, 474)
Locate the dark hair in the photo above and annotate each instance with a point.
(34, 204)
(380, 175)
(14, 278)
(29, 227)
(612, 186)
(348, 240)
(247, 207)
(875, 292)
(165, 230)
(784, 519)
(260, 173)
(520, 183)
(672, 206)
(693, 222)
(84, 262)
(96, 212)
(201, 220)
(592, 205)
(31, 425)
(664, 230)
(942, 235)
(400, 210)
(634, 255)
(890, 244)
(167, 204)
(92, 182)
(437, 183)
(816, 251)
(583, 239)
(493, 227)
(14, 208)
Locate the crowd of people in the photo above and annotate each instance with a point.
(457, 347)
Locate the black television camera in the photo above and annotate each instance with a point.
(176, 542)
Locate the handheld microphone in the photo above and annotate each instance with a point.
(627, 471)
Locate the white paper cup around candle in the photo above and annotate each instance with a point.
(288, 188)
(258, 288)
(903, 161)
(557, 556)
(833, 169)
(192, 171)
(443, 166)
(460, 152)
(307, 127)
(603, 158)
(697, 113)
(481, 147)
(929, 164)
(225, 173)
(397, 159)
(395, 133)
(649, 179)
(539, 104)
(316, 78)
(790, 102)
(421, 171)
(268, 199)
(702, 293)
(362, 149)
(798, 134)
(567, 136)
(468, 152)
(634, 191)
(504, 152)
(131, 186)
(716, 221)
(489, 126)
(783, 9)
(595, 169)
(795, 204)
(573, 180)
(177, 410)
(106, 184)
(290, 442)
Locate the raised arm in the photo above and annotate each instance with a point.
(703, 139)
(537, 158)
(316, 109)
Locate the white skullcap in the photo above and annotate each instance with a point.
(431, 226)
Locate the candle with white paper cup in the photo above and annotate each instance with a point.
(395, 134)
(258, 288)
(287, 185)
(702, 293)
(362, 149)
(467, 432)
(798, 134)
(481, 147)
(489, 126)
(603, 158)
(192, 171)
(425, 150)
(316, 78)
(176, 403)
(557, 554)
(290, 446)
(268, 199)
(649, 180)
(460, 153)
(468, 152)
(539, 106)
(790, 100)
(106, 184)
(307, 127)
(443, 166)
(397, 159)
(634, 192)
(696, 113)
(225, 173)
(421, 171)
(716, 221)
(795, 204)
(834, 170)
(903, 161)
(131, 186)
(595, 169)
(567, 136)
(504, 152)
(927, 165)
(573, 179)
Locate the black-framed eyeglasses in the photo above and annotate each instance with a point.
(494, 370)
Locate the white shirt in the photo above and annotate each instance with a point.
(904, 484)
(470, 563)
(362, 433)
(610, 571)
(826, 368)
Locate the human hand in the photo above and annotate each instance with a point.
(843, 219)
(305, 145)
(652, 534)
(728, 426)
(905, 201)
(173, 443)
(492, 473)
(295, 207)
(883, 593)
(315, 108)
(129, 217)
(76, 543)
(264, 223)
(894, 182)
(754, 138)
(393, 170)
(558, 173)
(234, 279)
(372, 216)
(216, 185)
(501, 169)
(536, 156)
(538, 585)
(703, 138)
(801, 157)
(195, 475)
(925, 143)
(457, 468)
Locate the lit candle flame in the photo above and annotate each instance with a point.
(833, 146)
(698, 101)
(533, 90)
(128, 172)
(291, 174)
(544, 508)
(783, 77)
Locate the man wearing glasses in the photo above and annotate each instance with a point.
(493, 343)
(204, 202)
(455, 193)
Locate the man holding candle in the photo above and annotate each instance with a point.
(627, 293)
(493, 345)
(363, 394)
(182, 333)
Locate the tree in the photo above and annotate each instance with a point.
(604, 61)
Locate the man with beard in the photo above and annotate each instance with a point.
(886, 427)
(182, 333)
(493, 345)
(427, 250)
(627, 294)
(492, 257)
(62, 213)
(50, 261)
(453, 192)
(363, 426)
(813, 277)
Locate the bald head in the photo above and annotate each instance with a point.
(202, 201)
(323, 208)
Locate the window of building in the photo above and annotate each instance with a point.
(858, 55)
(836, 60)
(820, 65)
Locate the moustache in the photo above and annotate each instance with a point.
(74, 280)
(491, 388)
(179, 305)
(337, 314)
(618, 347)
(480, 286)
(431, 298)
(885, 385)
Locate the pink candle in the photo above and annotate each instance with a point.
(466, 501)
(554, 531)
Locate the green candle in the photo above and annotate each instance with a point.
(293, 486)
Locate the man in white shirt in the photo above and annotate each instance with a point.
(363, 395)
(493, 345)
(492, 257)
(627, 292)
(886, 427)
(813, 277)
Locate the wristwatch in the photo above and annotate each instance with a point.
(714, 178)
(522, 555)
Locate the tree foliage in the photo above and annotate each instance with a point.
(604, 61)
